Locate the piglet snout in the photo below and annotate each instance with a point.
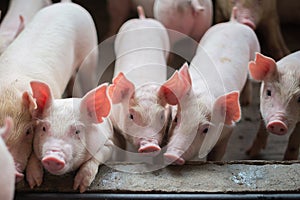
(149, 146)
(173, 158)
(277, 127)
(53, 163)
(174, 155)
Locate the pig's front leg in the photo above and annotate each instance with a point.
(260, 141)
(292, 150)
(246, 94)
(217, 153)
(34, 171)
(89, 169)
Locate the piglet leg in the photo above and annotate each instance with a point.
(217, 153)
(34, 172)
(292, 150)
(89, 169)
(260, 141)
(246, 95)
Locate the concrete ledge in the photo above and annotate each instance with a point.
(194, 177)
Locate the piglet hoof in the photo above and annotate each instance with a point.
(34, 175)
(171, 158)
(85, 176)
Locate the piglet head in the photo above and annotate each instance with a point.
(139, 114)
(19, 107)
(279, 96)
(67, 134)
(177, 91)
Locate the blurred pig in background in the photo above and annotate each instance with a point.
(207, 94)
(262, 16)
(7, 175)
(186, 22)
(71, 134)
(192, 18)
(119, 12)
(19, 13)
(49, 52)
(279, 101)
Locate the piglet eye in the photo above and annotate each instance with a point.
(205, 130)
(44, 128)
(269, 93)
(77, 132)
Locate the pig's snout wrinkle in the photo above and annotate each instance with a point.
(54, 161)
(149, 146)
(277, 127)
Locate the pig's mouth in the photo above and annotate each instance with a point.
(54, 162)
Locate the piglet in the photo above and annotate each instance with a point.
(192, 18)
(7, 175)
(261, 16)
(48, 51)
(71, 134)
(279, 101)
(207, 93)
(119, 12)
(138, 113)
(19, 13)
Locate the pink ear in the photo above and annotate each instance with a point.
(177, 86)
(184, 73)
(228, 104)
(121, 89)
(28, 101)
(7, 127)
(42, 95)
(262, 67)
(96, 103)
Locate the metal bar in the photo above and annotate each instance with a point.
(121, 196)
